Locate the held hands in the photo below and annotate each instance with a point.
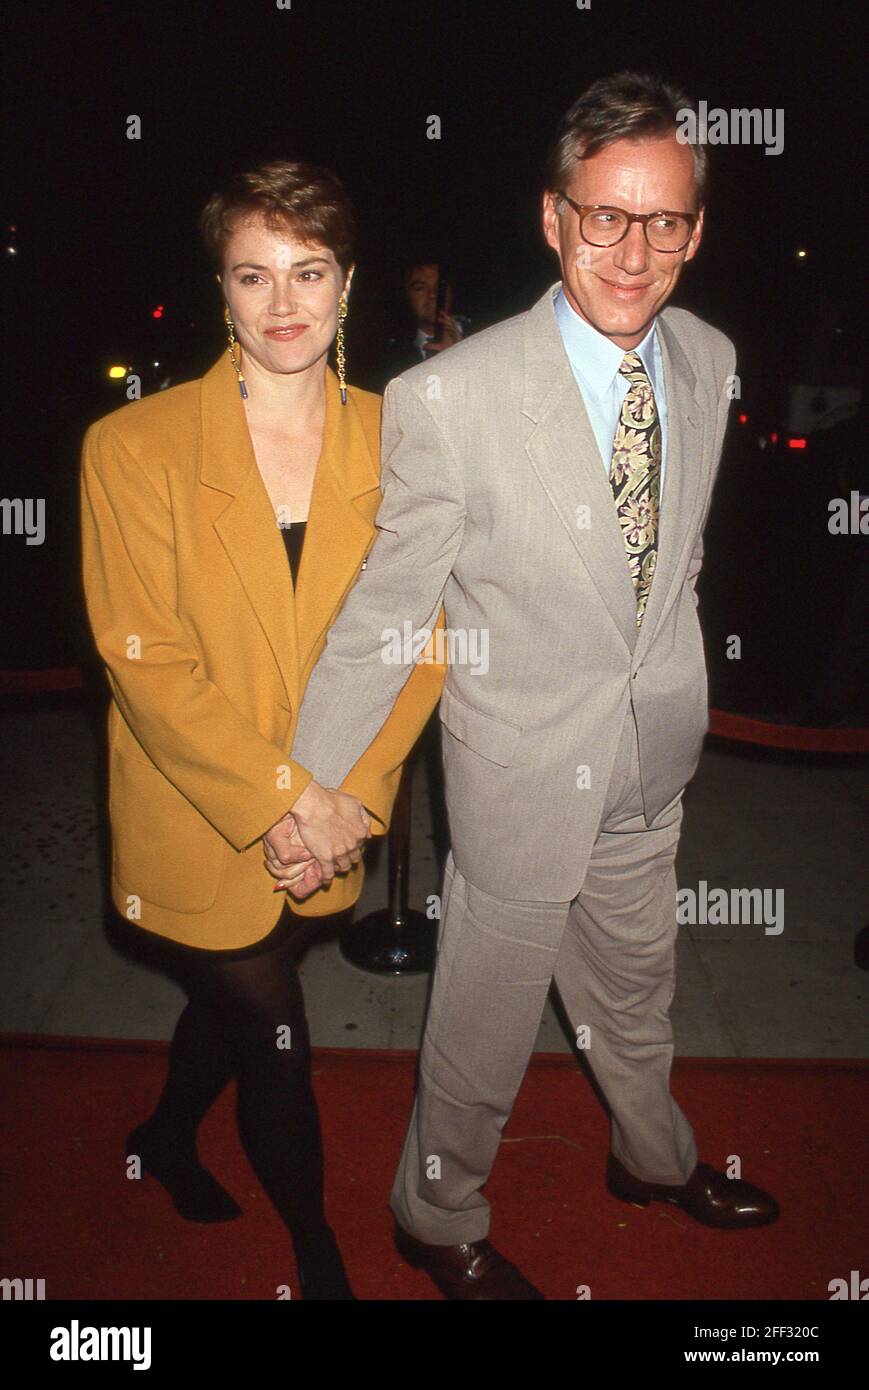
(289, 861)
(321, 836)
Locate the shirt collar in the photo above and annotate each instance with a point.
(594, 356)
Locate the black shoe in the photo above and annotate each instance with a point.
(709, 1196)
(196, 1193)
(472, 1271)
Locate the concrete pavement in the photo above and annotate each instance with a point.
(752, 820)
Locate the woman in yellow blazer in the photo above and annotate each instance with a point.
(224, 522)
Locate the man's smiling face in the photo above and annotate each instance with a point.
(619, 289)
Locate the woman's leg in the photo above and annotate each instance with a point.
(258, 996)
(201, 1062)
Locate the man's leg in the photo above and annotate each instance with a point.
(616, 976)
(494, 965)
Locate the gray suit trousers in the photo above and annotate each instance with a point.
(610, 952)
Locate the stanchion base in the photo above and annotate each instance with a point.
(375, 943)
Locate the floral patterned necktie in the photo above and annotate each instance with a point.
(635, 475)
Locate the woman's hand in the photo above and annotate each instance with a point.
(288, 861)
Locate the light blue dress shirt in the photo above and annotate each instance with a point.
(595, 362)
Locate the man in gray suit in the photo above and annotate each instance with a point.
(548, 480)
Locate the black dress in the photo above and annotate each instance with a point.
(294, 539)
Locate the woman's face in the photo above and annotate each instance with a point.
(283, 295)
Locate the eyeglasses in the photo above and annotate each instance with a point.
(605, 226)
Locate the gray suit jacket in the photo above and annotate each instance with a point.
(495, 502)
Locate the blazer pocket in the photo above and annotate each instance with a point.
(492, 738)
(163, 850)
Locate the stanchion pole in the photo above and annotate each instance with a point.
(397, 939)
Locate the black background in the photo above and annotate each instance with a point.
(106, 226)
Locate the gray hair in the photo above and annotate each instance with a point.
(626, 105)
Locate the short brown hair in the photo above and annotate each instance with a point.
(624, 106)
(305, 198)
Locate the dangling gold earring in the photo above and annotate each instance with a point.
(339, 348)
(231, 330)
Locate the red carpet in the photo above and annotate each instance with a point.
(73, 1218)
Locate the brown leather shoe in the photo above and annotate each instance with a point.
(470, 1271)
(709, 1196)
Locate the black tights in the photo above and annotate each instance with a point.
(246, 1018)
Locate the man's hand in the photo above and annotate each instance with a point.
(333, 826)
(451, 334)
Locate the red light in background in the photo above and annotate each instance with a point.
(796, 443)
(773, 439)
(158, 312)
(743, 419)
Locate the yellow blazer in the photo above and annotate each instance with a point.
(208, 650)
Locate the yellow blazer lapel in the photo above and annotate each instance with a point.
(340, 528)
(247, 526)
